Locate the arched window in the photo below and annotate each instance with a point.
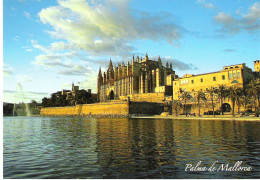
(234, 82)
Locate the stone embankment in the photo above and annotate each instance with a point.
(106, 109)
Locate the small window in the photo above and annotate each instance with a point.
(231, 67)
(234, 75)
(257, 67)
(214, 78)
(175, 83)
(230, 75)
(223, 77)
(201, 80)
(192, 81)
(192, 89)
(238, 75)
(237, 67)
(234, 82)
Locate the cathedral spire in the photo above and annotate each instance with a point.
(171, 65)
(146, 56)
(99, 71)
(167, 65)
(159, 59)
(110, 64)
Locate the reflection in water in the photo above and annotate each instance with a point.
(38, 147)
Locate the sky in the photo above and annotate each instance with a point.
(48, 45)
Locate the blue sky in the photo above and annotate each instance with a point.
(47, 45)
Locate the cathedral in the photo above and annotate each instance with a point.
(140, 77)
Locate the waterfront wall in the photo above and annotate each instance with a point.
(145, 108)
(114, 108)
(109, 108)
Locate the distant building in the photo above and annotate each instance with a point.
(70, 94)
(257, 65)
(257, 68)
(142, 76)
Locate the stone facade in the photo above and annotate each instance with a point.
(142, 76)
(257, 65)
(230, 75)
(234, 75)
(113, 108)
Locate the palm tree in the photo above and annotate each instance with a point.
(211, 91)
(253, 90)
(239, 100)
(222, 93)
(234, 96)
(185, 96)
(245, 99)
(176, 106)
(200, 96)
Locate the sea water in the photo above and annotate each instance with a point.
(53, 147)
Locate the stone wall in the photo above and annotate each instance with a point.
(69, 110)
(109, 108)
(115, 108)
(149, 97)
(145, 108)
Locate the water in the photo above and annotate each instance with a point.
(41, 147)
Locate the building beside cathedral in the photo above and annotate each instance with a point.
(143, 79)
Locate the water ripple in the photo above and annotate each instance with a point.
(38, 147)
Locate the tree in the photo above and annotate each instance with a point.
(253, 91)
(185, 96)
(211, 91)
(61, 100)
(83, 97)
(33, 103)
(45, 102)
(53, 100)
(245, 99)
(222, 93)
(234, 96)
(200, 96)
(176, 106)
(239, 101)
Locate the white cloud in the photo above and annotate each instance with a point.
(16, 38)
(229, 50)
(20, 96)
(60, 61)
(23, 78)
(37, 46)
(27, 15)
(177, 64)
(106, 28)
(76, 70)
(7, 70)
(249, 22)
(27, 49)
(205, 4)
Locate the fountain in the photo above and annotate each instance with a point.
(27, 110)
